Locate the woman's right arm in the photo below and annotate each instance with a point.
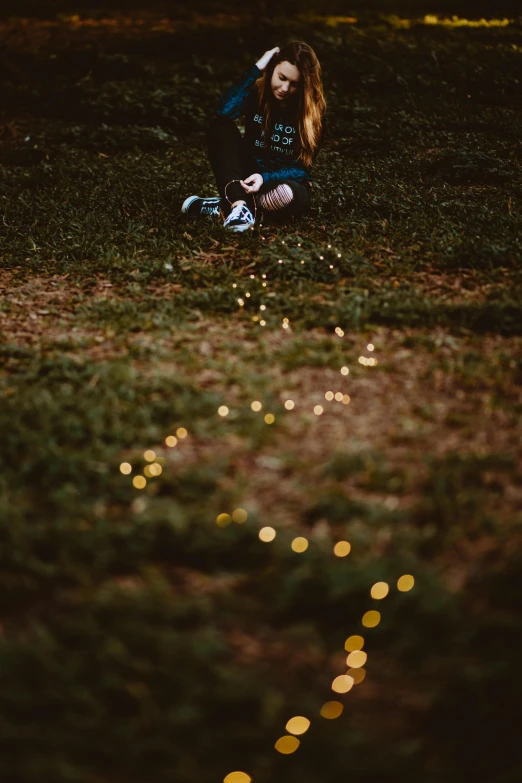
(232, 102)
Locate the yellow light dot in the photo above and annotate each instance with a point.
(263, 323)
(181, 432)
(318, 410)
(149, 471)
(256, 405)
(405, 583)
(345, 370)
(139, 482)
(331, 710)
(299, 544)
(297, 725)
(223, 520)
(223, 410)
(346, 399)
(240, 302)
(237, 777)
(263, 307)
(269, 418)
(171, 441)
(329, 246)
(329, 396)
(357, 674)
(338, 396)
(247, 294)
(264, 285)
(353, 643)
(280, 261)
(159, 469)
(287, 744)
(338, 255)
(379, 590)
(321, 258)
(370, 347)
(252, 277)
(285, 320)
(371, 362)
(342, 684)
(267, 534)
(239, 515)
(302, 262)
(125, 468)
(289, 405)
(371, 619)
(255, 318)
(356, 659)
(285, 326)
(234, 285)
(342, 548)
(263, 276)
(149, 455)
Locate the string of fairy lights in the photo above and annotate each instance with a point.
(357, 657)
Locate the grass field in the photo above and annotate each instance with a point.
(146, 636)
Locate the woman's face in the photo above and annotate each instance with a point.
(285, 79)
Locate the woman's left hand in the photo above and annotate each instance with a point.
(252, 183)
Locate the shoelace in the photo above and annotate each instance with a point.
(240, 205)
(237, 212)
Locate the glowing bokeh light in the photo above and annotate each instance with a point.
(371, 619)
(267, 534)
(331, 710)
(342, 548)
(297, 725)
(356, 659)
(379, 590)
(125, 468)
(405, 583)
(299, 544)
(239, 515)
(237, 777)
(342, 684)
(287, 744)
(354, 643)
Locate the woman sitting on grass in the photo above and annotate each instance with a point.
(281, 98)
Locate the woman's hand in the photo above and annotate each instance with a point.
(265, 59)
(252, 183)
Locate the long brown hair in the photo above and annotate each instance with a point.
(308, 100)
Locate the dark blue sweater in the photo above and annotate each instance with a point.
(240, 99)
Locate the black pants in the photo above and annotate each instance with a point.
(231, 161)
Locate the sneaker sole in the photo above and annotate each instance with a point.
(188, 201)
(239, 228)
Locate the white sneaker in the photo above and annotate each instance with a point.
(195, 206)
(240, 218)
